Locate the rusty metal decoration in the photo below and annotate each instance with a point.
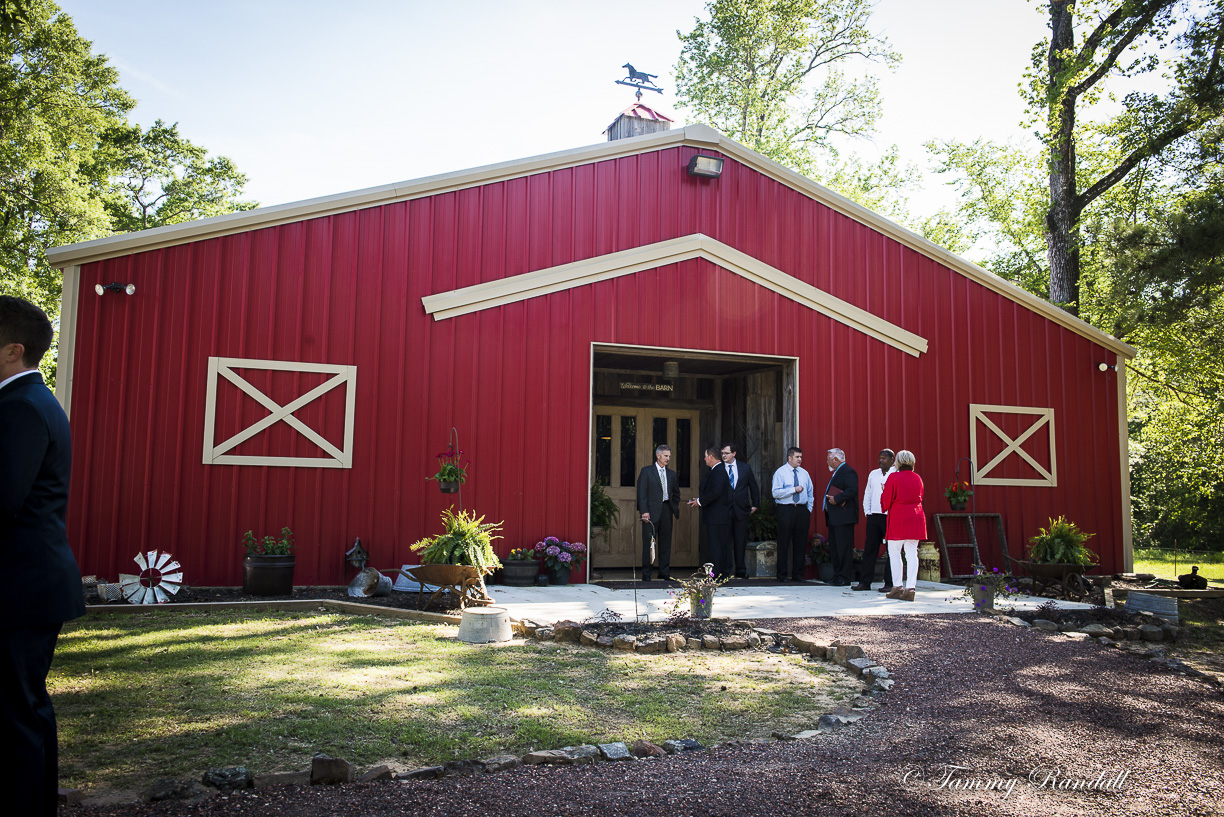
(160, 578)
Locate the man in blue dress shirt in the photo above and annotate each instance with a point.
(793, 497)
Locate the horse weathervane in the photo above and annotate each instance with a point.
(639, 80)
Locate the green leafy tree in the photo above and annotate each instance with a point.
(57, 102)
(161, 178)
(772, 74)
(1121, 220)
(72, 167)
(1091, 42)
(14, 14)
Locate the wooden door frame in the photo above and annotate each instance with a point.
(790, 417)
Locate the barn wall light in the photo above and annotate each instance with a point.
(115, 286)
(707, 167)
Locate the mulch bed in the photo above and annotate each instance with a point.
(397, 599)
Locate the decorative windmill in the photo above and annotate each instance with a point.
(160, 578)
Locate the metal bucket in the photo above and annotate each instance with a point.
(485, 625)
(369, 583)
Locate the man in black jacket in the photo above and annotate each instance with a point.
(745, 499)
(841, 515)
(714, 498)
(42, 582)
(658, 506)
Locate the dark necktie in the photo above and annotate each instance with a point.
(731, 473)
(798, 494)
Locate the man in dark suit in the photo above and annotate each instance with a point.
(714, 499)
(841, 515)
(42, 582)
(658, 506)
(745, 499)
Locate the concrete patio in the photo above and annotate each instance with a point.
(582, 601)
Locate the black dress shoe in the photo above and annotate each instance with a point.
(665, 577)
(645, 577)
(796, 578)
(841, 583)
(885, 588)
(782, 578)
(861, 586)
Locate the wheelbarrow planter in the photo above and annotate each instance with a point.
(466, 583)
(1068, 579)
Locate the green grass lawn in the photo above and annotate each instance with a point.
(160, 694)
(1160, 562)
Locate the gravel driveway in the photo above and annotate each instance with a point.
(1008, 705)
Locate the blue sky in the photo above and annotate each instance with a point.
(311, 98)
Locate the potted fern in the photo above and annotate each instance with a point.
(1057, 555)
(461, 556)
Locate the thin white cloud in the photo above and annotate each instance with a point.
(146, 78)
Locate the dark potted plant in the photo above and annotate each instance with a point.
(986, 585)
(605, 513)
(267, 568)
(697, 592)
(819, 555)
(520, 568)
(561, 557)
(958, 494)
(450, 474)
(762, 538)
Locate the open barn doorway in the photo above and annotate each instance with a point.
(643, 396)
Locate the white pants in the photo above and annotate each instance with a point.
(911, 560)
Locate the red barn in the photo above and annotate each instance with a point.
(301, 365)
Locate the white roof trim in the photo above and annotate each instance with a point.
(693, 135)
(613, 265)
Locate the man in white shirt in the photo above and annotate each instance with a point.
(877, 522)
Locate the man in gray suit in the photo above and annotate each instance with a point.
(658, 501)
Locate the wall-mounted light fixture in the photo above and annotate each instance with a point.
(707, 167)
(115, 286)
(671, 368)
(1106, 367)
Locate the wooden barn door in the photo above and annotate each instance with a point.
(624, 442)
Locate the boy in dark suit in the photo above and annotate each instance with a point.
(658, 507)
(745, 499)
(43, 587)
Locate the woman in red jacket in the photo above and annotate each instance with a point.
(902, 501)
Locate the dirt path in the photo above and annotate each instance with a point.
(1007, 705)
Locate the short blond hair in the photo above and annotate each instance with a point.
(905, 457)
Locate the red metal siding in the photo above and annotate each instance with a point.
(515, 380)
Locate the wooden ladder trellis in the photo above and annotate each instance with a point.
(972, 544)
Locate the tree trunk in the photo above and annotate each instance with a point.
(1062, 219)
